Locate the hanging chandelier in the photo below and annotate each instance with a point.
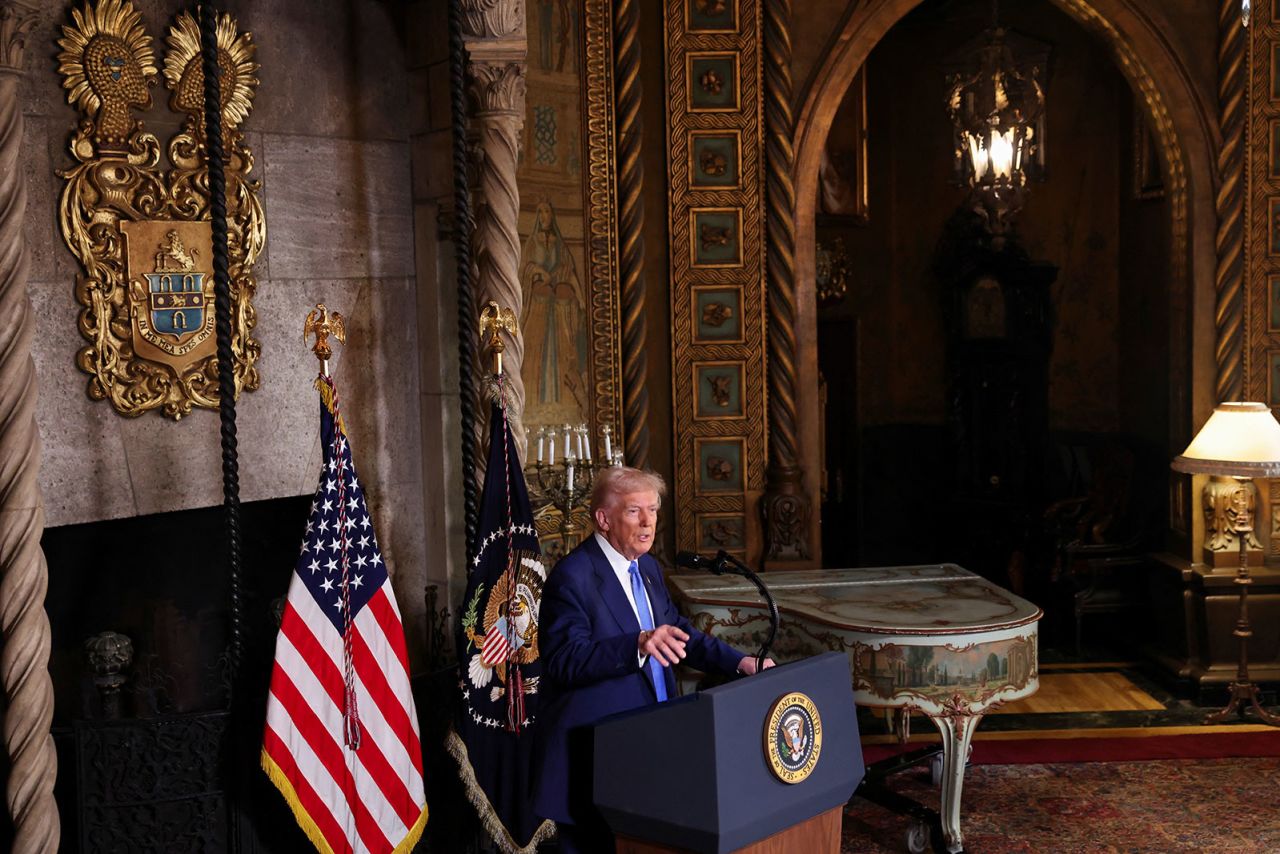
(996, 105)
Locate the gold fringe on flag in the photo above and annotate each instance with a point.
(300, 813)
(493, 826)
(308, 825)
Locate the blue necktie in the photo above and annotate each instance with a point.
(646, 623)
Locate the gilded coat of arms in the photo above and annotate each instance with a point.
(136, 216)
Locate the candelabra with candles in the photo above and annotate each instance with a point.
(564, 470)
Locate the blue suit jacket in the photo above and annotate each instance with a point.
(587, 634)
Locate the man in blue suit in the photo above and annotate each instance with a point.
(609, 635)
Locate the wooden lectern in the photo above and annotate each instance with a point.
(764, 765)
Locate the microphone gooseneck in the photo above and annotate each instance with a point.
(732, 564)
(724, 562)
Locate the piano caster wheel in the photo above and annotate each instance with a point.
(918, 836)
(935, 770)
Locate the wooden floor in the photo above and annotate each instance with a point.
(1067, 689)
(1107, 691)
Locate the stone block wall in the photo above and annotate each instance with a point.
(431, 155)
(330, 132)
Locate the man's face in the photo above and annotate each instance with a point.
(628, 522)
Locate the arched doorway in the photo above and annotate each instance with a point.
(1179, 122)
(1181, 117)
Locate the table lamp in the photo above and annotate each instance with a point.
(1242, 441)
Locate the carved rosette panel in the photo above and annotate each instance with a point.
(715, 211)
(140, 227)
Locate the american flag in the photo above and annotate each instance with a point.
(341, 740)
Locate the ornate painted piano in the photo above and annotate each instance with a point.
(938, 639)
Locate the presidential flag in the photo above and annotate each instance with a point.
(499, 667)
(341, 740)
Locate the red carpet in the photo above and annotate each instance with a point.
(1212, 745)
(1223, 806)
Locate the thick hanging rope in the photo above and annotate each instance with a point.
(462, 231)
(222, 308)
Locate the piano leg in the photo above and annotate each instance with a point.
(957, 732)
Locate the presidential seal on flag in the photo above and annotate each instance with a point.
(509, 630)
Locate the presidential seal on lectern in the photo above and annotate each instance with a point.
(793, 737)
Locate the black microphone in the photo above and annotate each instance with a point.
(693, 560)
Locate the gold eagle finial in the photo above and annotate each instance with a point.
(494, 319)
(322, 323)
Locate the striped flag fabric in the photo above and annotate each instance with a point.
(341, 741)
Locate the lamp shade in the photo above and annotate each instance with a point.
(1238, 440)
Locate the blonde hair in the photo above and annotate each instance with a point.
(620, 480)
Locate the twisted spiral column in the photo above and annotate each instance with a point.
(498, 91)
(786, 505)
(635, 367)
(24, 577)
(1233, 104)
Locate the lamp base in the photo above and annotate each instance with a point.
(1244, 696)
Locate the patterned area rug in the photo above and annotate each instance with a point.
(1228, 806)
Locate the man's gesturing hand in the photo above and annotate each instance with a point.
(665, 643)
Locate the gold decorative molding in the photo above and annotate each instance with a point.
(606, 225)
(1261, 337)
(630, 208)
(141, 232)
(714, 84)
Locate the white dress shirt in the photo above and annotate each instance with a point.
(622, 569)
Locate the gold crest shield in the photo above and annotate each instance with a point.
(169, 269)
(136, 216)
